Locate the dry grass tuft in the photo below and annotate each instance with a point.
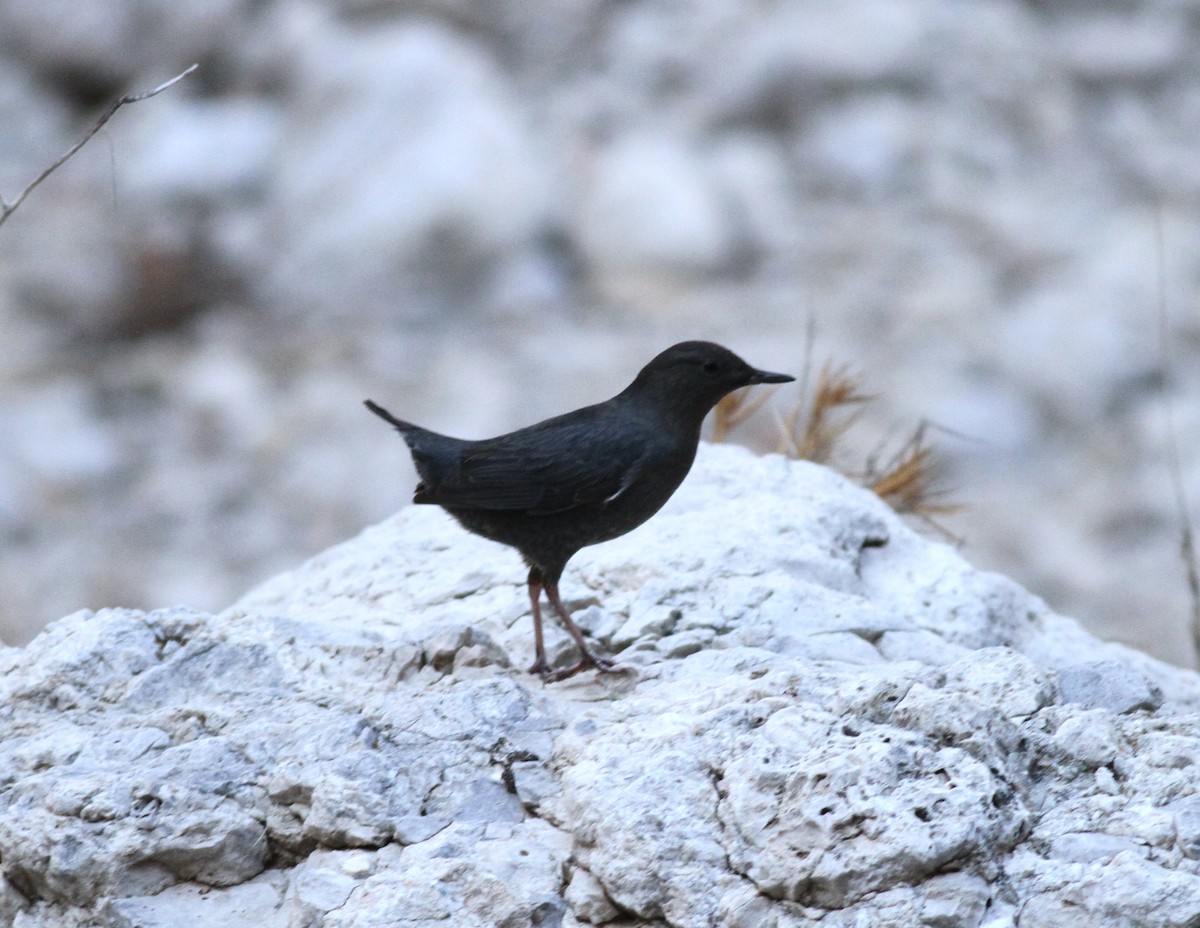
(814, 429)
(836, 405)
(908, 482)
(735, 408)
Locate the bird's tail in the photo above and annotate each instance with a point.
(434, 455)
(401, 426)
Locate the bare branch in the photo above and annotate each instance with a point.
(7, 209)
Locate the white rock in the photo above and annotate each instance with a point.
(106, 39)
(867, 144)
(403, 155)
(1187, 826)
(323, 754)
(181, 147)
(955, 899)
(53, 433)
(1110, 44)
(1127, 890)
(251, 903)
(778, 61)
(1090, 737)
(1092, 847)
(652, 203)
(585, 896)
(1109, 685)
(36, 119)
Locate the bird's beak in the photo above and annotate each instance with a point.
(768, 377)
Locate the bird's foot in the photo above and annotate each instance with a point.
(589, 661)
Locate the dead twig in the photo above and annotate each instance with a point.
(7, 209)
(1187, 531)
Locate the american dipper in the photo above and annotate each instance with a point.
(580, 478)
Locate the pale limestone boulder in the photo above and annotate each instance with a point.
(820, 715)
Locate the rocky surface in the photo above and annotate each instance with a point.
(820, 715)
(485, 214)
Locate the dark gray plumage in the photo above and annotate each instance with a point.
(580, 478)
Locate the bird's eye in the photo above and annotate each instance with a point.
(711, 367)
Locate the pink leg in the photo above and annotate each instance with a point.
(588, 659)
(539, 647)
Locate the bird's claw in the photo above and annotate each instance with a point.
(589, 661)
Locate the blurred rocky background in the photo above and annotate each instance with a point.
(483, 214)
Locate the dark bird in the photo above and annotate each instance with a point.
(580, 478)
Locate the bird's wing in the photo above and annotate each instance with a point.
(581, 459)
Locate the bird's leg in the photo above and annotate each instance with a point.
(535, 591)
(588, 659)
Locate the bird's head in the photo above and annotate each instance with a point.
(691, 377)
